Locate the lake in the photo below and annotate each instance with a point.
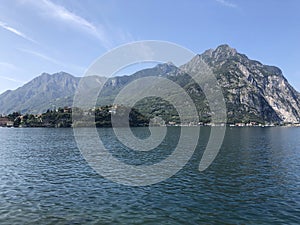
(255, 179)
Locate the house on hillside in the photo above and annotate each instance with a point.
(4, 122)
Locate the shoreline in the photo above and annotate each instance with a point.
(178, 125)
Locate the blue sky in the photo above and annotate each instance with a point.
(50, 36)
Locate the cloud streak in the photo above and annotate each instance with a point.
(40, 55)
(80, 70)
(16, 32)
(59, 12)
(11, 79)
(8, 65)
(227, 4)
(4, 68)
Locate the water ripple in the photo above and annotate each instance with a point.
(255, 179)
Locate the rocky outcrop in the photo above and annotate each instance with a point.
(252, 90)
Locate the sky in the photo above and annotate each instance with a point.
(50, 36)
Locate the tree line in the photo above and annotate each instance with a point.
(62, 117)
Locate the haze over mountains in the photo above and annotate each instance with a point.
(252, 91)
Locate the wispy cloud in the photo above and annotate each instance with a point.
(11, 79)
(61, 13)
(79, 69)
(6, 68)
(227, 4)
(16, 32)
(8, 65)
(40, 55)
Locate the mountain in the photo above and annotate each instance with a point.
(49, 91)
(40, 94)
(252, 91)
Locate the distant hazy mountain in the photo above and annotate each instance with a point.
(42, 93)
(57, 90)
(252, 91)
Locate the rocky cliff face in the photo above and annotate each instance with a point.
(252, 90)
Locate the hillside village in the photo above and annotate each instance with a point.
(62, 118)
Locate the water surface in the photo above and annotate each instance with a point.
(255, 179)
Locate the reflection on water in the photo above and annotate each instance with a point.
(254, 179)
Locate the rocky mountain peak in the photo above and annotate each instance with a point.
(166, 67)
(45, 74)
(223, 52)
(225, 48)
(252, 90)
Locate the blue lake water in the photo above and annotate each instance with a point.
(255, 179)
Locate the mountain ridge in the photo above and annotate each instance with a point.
(252, 90)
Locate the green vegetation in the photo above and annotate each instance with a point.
(62, 117)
